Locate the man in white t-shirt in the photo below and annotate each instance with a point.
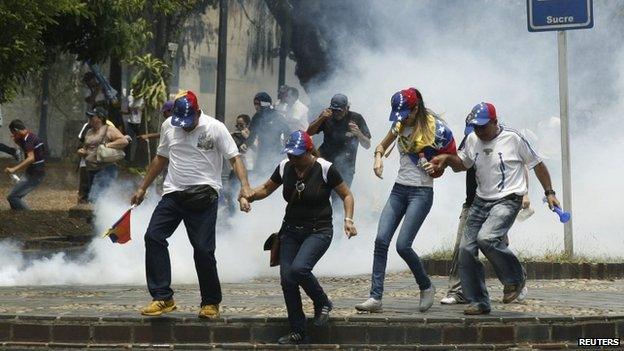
(499, 156)
(192, 146)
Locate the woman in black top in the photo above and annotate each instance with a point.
(307, 228)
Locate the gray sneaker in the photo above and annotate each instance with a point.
(426, 298)
(371, 305)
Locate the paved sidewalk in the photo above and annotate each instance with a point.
(263, 298)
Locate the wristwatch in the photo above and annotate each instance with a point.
(549, 192)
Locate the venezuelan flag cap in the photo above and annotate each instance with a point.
(185, 108)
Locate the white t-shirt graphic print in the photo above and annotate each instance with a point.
(195, 157)
(499, 163)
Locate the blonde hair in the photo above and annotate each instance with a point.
(423, 133)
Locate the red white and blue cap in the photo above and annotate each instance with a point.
(298, 143)
(184, 109)
(480, 115)
(402, 102)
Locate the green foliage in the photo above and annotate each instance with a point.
(149, 81)
(22, 49)
(110, 28)
(34, 33)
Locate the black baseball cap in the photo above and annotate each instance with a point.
(339, 102)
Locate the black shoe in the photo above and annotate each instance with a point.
(321, 316)
(292, 339)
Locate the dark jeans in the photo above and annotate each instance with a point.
(413, 203)
(100, 180)
(486, 228)
(27, 184)
(7, 149)
(200, 227)
(133, 130)
(83, 184)
(300, 250)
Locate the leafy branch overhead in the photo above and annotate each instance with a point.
(149, 81)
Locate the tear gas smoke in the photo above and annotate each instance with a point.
(457, 54)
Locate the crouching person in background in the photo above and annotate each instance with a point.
(34, 164)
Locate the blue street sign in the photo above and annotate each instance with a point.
(547, 15)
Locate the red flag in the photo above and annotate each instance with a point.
(120, 231)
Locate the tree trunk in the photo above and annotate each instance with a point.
(45, 95)
(115, 81)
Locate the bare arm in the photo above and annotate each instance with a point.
(544, 178)
(380, 150)
(30, 158)
(347, 199)
(241, 173)
(313, 128)
(155, 168)
(442, 161)
(117, 140)
(364, 140)
(263, 191)
(149, 136)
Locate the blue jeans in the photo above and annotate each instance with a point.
(300, 249)
(100, 180)
(486, 228)
(27, 184)
(414, 204)
(200, 227)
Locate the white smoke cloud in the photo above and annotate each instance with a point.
(457, 54)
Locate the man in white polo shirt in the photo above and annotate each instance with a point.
(499, 155)
(192, 147)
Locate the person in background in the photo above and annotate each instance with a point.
(307, 228)
(33, 164)
(192, 147)
(133, 115)
(499, 155)
(166, 111)
(94, 95)
(420, 135)
(99, 175)
(240, 135)
(343, 132)
(281, 104)
(83, 174)
(295, 112)
(269, 129)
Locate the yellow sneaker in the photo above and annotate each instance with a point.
(209, 311)
(158, 307)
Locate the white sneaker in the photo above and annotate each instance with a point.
(523, 294)
(449, 300)
(371, 305)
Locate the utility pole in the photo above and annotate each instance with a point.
(283, 51)
(221, 61)
(565, 139)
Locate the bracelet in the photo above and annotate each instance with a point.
(347, 219)
(549, 192)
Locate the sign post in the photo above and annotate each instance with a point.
(562, 15)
